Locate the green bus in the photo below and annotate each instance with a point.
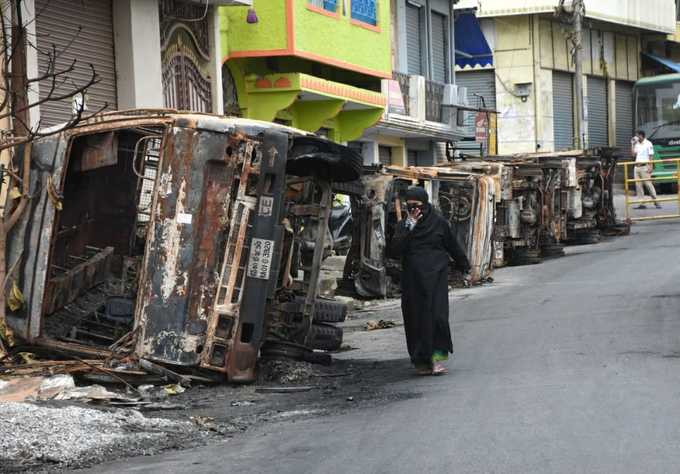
(657, 113)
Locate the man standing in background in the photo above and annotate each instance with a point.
(644, 152)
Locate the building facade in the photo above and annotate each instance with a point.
(316, 65)
(528, 74)
(145, 53)
(419, 119)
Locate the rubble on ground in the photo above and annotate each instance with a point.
(33, 435)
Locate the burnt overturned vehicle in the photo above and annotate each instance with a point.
(182, 240)
(465, 198)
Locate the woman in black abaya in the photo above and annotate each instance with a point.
(425, 242)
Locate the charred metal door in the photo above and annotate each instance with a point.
(178, 282)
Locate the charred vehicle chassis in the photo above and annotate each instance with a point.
(178, 239)
(464, 198)
(531, 222)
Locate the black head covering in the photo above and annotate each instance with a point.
(416, 193)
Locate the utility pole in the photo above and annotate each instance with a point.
(573, 15)
(577, 18)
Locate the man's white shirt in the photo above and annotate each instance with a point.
(643, 151)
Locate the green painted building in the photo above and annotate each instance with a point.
(312, 64)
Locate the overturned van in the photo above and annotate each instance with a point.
(175, 238)
(465, 198)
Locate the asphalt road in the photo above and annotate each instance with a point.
(569, 366)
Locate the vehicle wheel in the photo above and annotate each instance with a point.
(329, 312)
(325, 311)
(586, 238)
(326, 337)
(552, 250)
(312, 156)
(525, 256)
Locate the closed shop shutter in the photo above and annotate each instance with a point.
(439, 47)
(414, 40)
(598, 117)
(624, 113)
(412, 157)
(482, 83)
(81, 31)
(385, 155)
(563, 110)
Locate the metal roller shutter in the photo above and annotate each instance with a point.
(563, 110)
(624, 113)
(439, 47)
(414, 40)
(598, 116)
(482, 83)
(80, 30)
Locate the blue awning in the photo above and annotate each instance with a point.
(472, 48)
(672, 65)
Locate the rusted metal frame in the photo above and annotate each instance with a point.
(65, 288)
(235, 243)
(74, 348)
(42, 290)
(263, 265)
(248, 205)
(319, 244)
(135, 154)
(117, 124)
(144, 266)
(305, 210)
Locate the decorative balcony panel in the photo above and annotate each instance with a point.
(312, 101)
(434, 95)
(404, 81)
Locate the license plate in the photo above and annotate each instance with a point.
(260, 259)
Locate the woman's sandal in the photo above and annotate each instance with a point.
(439, 369)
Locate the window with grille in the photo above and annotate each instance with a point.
(328, 5)
(365, 11)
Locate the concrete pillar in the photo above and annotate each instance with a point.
(417, 98)
(370, 152)
(399, 157)
(28, 7)
(611, 111)
(137, 37)
(215, 61)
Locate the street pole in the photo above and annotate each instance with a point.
(577, 22)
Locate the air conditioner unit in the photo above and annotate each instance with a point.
(463, 96)
(451, 95)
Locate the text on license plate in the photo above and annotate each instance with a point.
(260, 259)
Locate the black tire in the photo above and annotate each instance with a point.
(329, 312)
(552, 250)
(325, 311)
(585, 237)
(525, 256)
(313, 156)
(326, 337)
